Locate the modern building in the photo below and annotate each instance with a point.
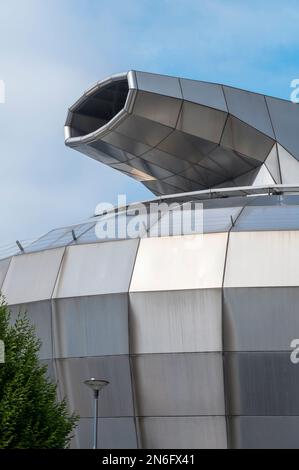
(193, 331)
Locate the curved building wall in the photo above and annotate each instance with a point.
(193, 333)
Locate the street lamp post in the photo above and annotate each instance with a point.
(96, 386)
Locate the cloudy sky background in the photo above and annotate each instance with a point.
(52, 50)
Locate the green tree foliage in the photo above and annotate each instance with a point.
(30, 415)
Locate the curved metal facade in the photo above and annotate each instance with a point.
(193, 332)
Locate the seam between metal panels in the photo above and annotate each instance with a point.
(134, 394)
(276, 143)
(9, 263)
(54, 307)
(225, 387)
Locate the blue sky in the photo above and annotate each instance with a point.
(51, 50)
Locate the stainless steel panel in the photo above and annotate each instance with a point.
(177, 263)
(162, 109)
(154, 171)
(247, 179)
(179, 384)
(262, 259)
(263, 319)
(160, 84)
(39, 315)
(250, 107)
(144, 130)
(91, 326)
(265, 432)
(289, 167)
(127, 144)
(232, 163)
(183, 432)
(207, 94)
(113, 433)
(102, 268)
(4, 265)
(108, 151)
(285, 119)
(197, 174)
(27, 280)
(201, 121)
(261, 383)
(166, 161)
(187, 321)
(272, 164)
(160, 188)
(183, 183)
(186, 146)
(263, 177)
(116, 398)
(246, 140)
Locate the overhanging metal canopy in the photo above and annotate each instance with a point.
(177, 135)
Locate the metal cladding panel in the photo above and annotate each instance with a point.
(177, 263)
(285, 119)
(148, 132)
(166, 160)
(272, 164)
(101, 268)
(27, 280)
(261, 383)
(183, 183)
(134, 147)
(200, 432)
(230, 162)
(263, 319)
(263, 177)
(207, 94)
(116, 399)
(91, 326)
(289, 166)
(186, 147)
(153, 171)
(160, 84)
(109, 154)
(262, 259)
(179, 384)
(4, 265)
(162, 109)
(265, 432)
(39, 314)
(201, 121)
(250, 108)
(176, 321)
(113, 433)
(160, 188)
(246, 140)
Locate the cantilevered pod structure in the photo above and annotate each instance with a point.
(178, 135)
